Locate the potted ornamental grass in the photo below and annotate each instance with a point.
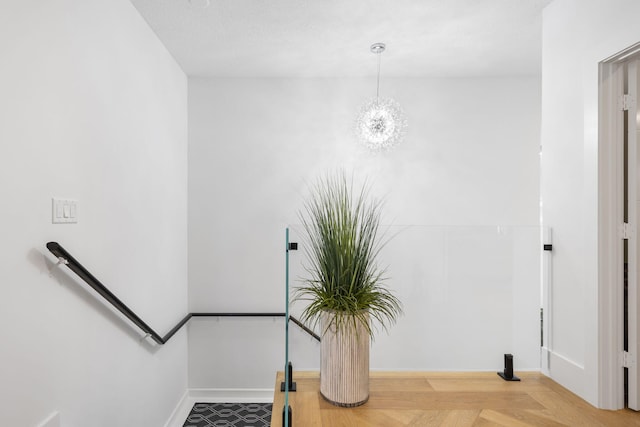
(344, 288)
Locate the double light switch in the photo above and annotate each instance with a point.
(64, 211)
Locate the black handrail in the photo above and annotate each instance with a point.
(304, 328)
(65, 258)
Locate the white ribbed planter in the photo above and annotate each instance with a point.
(344, 364)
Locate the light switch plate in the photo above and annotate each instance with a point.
(64, 211)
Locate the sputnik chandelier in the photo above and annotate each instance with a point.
(381, 124)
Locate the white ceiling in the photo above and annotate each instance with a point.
(327, 38)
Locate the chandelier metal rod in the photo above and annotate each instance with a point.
(378, 83)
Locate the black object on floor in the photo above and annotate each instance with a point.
(507, 374)
(229, 415)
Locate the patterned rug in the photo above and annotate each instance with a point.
(229, 415)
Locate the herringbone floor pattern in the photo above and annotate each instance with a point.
(448, 399)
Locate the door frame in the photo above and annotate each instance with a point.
(610, 218)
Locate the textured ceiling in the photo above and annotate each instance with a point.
(328, 38)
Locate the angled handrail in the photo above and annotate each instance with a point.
(65, 258)
(304, 328)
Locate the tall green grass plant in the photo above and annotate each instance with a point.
(342, 228)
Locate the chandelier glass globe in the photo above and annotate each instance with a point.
(381, 123)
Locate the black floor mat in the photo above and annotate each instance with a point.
(229, 415)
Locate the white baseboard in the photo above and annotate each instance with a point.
(231, 395)
(568, 373)
(179, 411)
(214, 395)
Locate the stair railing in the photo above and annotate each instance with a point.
(65, 258)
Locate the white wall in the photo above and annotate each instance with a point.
(92, 108)
(577, 35)
(470, 158)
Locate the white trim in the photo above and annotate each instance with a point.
(610, 248)
(556, 358)
(229, 395)
(180, 412)
(632, 251)
(546, 297)
(213, 395)
(565, 371)
(610, 243)
(624, 55)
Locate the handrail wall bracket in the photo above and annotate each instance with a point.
(61, 261)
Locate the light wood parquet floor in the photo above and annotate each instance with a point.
(477, 399)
